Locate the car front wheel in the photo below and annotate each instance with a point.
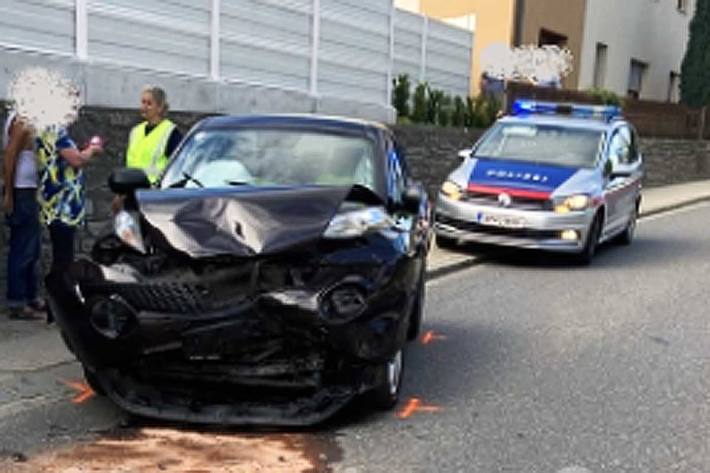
(386, 394)
(590, 247)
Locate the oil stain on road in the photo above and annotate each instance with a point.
(160, 449)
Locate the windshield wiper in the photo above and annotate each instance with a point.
(186, 178)
(237, 183)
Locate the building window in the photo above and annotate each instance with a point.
(600, 66)
(548, 37)
(674, 87)
(636, 77)
(682, 5)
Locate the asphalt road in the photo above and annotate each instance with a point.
(530, 365)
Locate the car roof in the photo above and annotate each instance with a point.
(563, 121)
(308, 121)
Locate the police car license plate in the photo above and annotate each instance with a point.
(502, 221)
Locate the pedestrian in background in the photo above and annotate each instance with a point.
(62, 192)
(153, 141)
(22, 217)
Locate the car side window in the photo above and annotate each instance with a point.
(620, 147)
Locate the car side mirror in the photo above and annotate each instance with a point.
(464, 154)
(412, 198)
(125, 181)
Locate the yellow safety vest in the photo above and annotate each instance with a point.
(148, 152)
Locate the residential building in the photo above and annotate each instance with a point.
(632, 47)
(638, 50)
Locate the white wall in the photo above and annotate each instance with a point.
(651, 31)
(238, 56)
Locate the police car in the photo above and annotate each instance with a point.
(557, 177)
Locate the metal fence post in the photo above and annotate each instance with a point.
(390, 65)
(215, 43)
(82, 29)
(315, 46)
(422, 61)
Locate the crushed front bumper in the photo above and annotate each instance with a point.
(266, 345)
(529, 229)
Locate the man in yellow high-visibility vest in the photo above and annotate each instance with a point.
(153, 141)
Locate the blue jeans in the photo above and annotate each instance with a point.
(24, 252)
(62, 236)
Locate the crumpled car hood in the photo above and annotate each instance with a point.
(241, 221)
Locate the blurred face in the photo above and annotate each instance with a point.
(150, 110)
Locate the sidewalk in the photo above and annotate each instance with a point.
(27, 347)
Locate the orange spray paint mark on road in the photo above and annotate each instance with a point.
(415, 405)
(84, 391)
(431, 336)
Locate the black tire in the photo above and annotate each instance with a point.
(445, 242)
(627, 236)
(417, 315)
(93, 382)
(386, 395)
(585, 257)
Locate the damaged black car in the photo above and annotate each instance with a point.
(276, 273)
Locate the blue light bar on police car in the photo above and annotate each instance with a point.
(597, 112)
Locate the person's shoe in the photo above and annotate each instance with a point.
(23, 313)
(38, 305)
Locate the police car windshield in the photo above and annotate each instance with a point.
(545, 144)
(265, 157)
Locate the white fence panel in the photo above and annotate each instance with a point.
(448, 58)
(408, 28)
(171, 35)
(353, 58)
(46, 25)
(446, 62)
(267, 42)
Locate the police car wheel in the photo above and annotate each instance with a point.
(627, 236)
(590, 247)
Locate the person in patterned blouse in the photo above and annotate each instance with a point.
(62, 193)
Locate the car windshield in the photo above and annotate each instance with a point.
(268, 157)
(546, 144)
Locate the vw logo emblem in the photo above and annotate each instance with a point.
(504, 200)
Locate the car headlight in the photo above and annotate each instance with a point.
(128, 230)
(359, 222)
(573, 203)
(452, 190)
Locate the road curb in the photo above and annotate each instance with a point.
(672, 207)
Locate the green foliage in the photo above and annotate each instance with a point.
(435, 107)
(607, 97)
(446, 111)
(436, 97)
(401, 92)
(459, 116)
(695, 72)
(419, 114)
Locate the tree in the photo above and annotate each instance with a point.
(400, 97)
(695, 72)
(419, 114)
(459, 117)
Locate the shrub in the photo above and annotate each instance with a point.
(419, 114)
(401, 92)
